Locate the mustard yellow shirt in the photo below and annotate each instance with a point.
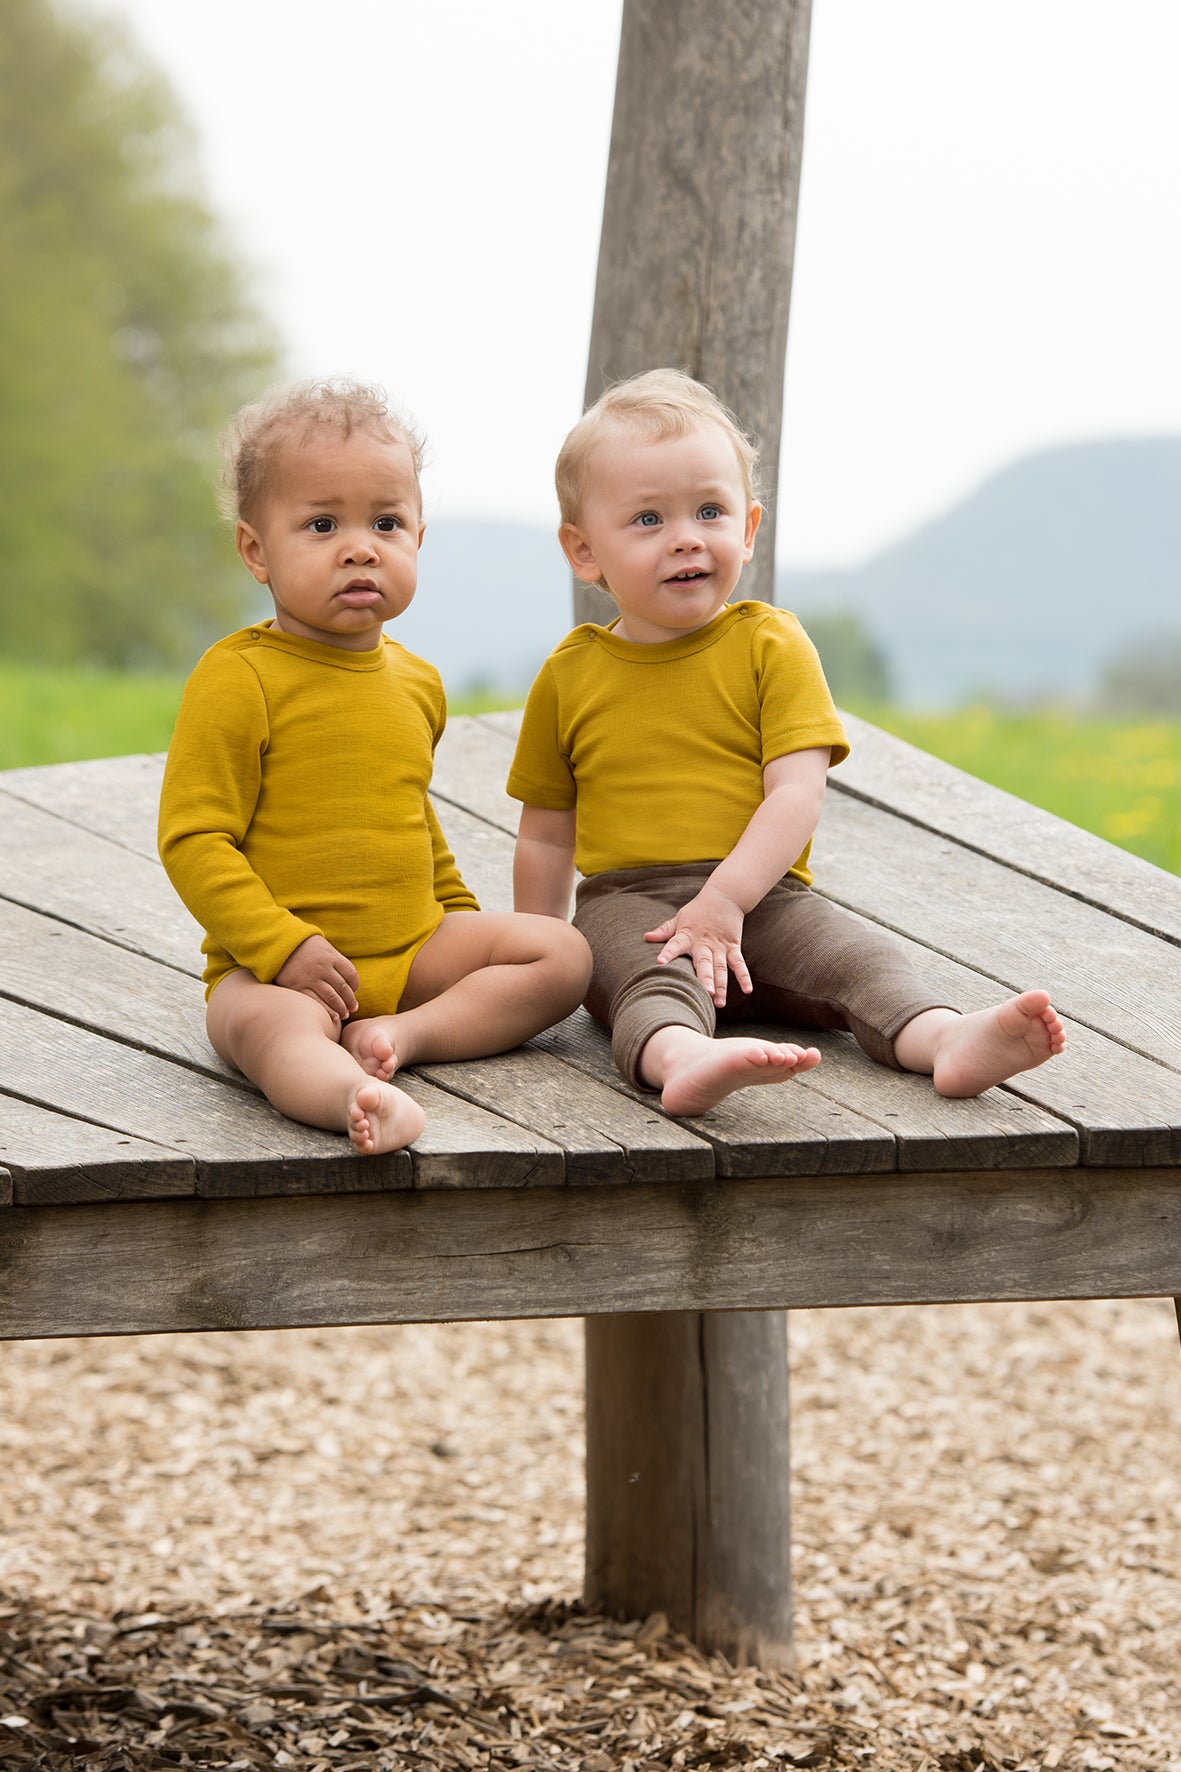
(295, 803)
(662, 748)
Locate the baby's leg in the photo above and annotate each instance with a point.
(967, 1054)
(694, 1071)
(484, 982)
(662, 1018)
(287, 1044)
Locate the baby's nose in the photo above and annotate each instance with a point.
(360, 545)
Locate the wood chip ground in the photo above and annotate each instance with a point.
(358, 1550)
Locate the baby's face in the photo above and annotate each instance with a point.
(666, 522)
(336, 538)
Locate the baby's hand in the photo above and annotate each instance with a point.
(709, 930)
(319, 971)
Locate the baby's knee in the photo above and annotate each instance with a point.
(572, 955)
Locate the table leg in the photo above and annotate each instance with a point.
(688, 1476)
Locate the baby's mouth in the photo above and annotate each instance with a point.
(688, 577)
(359, 590)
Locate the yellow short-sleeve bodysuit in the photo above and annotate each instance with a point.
(295, 803)
(662, 748)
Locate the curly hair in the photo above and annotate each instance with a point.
(253, 439)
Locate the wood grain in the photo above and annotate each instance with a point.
(53, 1159)
(687, 1476)
(1115, 978)
(897, 777)
(698, 238)
(433, 1256)
(113, 797)
(606, 1138)
(50, 965)
(51, 866)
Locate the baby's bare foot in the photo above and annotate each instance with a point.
(982, 1049)
(709, 1071)
(382, 1118)
(370, 1044)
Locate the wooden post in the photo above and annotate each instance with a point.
(687, 1476)
(698, 241)
(687, 1420)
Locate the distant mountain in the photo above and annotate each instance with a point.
(1028, 586)
(1022, 590)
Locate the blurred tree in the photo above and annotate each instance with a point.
(1144, 678)
(854, 663)
(126, 340)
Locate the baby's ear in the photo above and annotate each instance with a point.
(579, 552)
(249, 546)
(754, 517)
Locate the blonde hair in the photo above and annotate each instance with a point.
(660, 403)
(251, 442)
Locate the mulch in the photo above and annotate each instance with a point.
(359, 1550)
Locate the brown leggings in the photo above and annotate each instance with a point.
(811, 964)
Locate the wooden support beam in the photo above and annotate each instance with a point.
(698, 240)
(687, 1476)
(695, 269)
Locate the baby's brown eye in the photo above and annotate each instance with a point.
(322, 525)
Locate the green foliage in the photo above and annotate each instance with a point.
(125, 343)
(1118, 779)
(63, 715)
(854, 663)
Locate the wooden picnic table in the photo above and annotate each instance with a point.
(146, 1188)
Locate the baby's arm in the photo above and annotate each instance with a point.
(709, 927)
(210, 790)
(543, 864)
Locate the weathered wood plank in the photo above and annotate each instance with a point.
(484, 855)
(895, 776)
(785, 1130)
(762, 1244)
(688, 1476)
(1113, 977)
(113, 797)
(237, 1142)
(50, 965)
(100, 886)
(872, 1118)
(996, 1130)
(471, 765)
(54, 1160)
(464, 1145)
(1125, 1107)
(606, 1137)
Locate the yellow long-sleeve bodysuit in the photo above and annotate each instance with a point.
(295, 803)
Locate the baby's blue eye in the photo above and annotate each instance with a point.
(647, 519)
(709, 513)
(322, 525)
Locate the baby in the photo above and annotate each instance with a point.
(678, 759)
(295, 820)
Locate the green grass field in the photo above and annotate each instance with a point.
(1119, 779)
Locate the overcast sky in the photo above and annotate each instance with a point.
(988, 257)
